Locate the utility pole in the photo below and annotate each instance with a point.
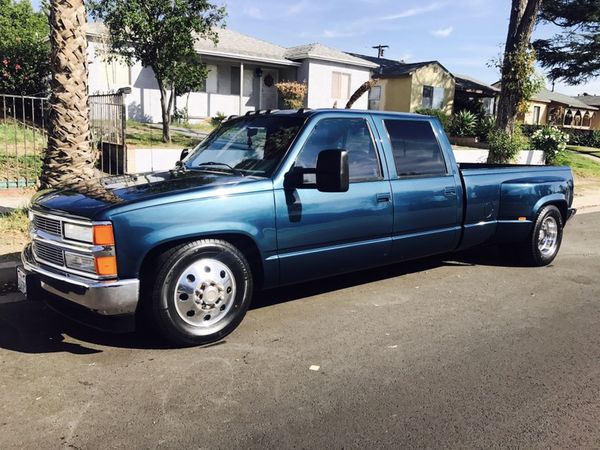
(380, 49)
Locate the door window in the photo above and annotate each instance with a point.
(352, 135)
(415, 148)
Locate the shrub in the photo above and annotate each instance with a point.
(293, 93)
(438, 113)
(595, 139)
(551, 140)
(484, 126)
(463, 124)
(219, 117)
(504, 147)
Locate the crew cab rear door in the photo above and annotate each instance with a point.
(426, 188)
(324, 233)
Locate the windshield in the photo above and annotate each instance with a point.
(251, 145)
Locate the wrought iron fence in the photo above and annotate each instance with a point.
(24, 135)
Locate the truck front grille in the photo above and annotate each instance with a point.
(47, 225)
(48, 253)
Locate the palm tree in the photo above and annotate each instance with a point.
(69, 158)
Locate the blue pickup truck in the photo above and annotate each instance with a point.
(275, 198)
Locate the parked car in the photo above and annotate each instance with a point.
(276, 198)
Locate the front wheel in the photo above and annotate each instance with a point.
(201, 291)
(546, 237)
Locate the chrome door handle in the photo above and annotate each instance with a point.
(383, 197)
(449, 191)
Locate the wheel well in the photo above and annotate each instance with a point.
(562, 207)
(243, 243)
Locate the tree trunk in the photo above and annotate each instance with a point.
(365, 87)
(523, 15)
(165, 106)
(69, 157)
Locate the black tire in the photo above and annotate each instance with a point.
(167, 280)
(536, 254)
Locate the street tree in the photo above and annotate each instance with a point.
(160, 34)
(69, 158)
(518, 83)
(24, 49)
(573, 55)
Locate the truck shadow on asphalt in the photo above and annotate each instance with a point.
(33, 328)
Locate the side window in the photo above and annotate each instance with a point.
(415, 147)
(352, 135)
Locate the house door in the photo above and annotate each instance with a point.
(268, 91)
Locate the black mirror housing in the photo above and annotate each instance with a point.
(184, 153)
(332, 171)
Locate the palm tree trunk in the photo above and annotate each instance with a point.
(365, 87)
(69, 157)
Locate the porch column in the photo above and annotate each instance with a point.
(241, 88)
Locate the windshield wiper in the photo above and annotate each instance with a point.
(215, 163)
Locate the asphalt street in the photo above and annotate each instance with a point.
(468, 350)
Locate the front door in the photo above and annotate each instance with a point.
(268, 91)
(324, 233)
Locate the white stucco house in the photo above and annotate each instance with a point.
(242, 74)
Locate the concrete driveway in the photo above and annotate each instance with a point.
(466, 351)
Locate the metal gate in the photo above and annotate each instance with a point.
(108, 121)
(24, 135)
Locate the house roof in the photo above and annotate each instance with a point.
(470, 84)
(237, 45)
(546, 96)
(320, 51)
(592, 100)
(393, 68)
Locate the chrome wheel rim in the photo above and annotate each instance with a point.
(204, 293)
(548, 236)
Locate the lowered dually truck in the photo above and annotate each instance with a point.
(276, 198)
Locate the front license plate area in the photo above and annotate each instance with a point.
(21, 281)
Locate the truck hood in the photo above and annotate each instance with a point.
(92, 198)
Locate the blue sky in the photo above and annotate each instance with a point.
(464, 35)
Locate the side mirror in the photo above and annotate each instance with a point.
(332, 171)
(184, 153)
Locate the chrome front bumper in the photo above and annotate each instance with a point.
(105, 297)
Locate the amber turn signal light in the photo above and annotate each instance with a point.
(106, 265)
(103, 235)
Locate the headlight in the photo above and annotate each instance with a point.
(80, 233)
(80, 262)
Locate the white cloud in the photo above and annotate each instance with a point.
(254, 12)
(443, 32)
(412, 12)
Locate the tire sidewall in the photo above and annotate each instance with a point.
(177, 328)
(538, 258)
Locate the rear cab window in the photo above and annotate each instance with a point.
(416, 150)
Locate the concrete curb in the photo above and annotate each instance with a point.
(8, 272)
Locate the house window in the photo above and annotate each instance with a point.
(536, 115)
(568, 117)
(433, 97)
(340, 85)
(577, 119)
(587, 119)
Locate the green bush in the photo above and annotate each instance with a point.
(438, 113)
(595, 139)
(464, 124)
(484, 126)
(218, 118)
(551, 141)
(504, 147)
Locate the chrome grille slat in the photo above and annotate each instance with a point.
(49, 253)
(47, 225)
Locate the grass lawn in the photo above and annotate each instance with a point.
(20, 151)
(141, 135)
(13, 229)
(581, 149)
(581, 165)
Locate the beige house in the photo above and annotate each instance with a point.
(408, 87)
(594, 101)
(554, 108)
